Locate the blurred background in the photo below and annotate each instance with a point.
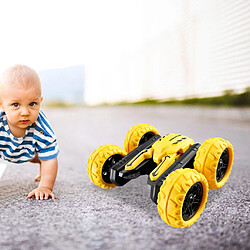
(95, 52)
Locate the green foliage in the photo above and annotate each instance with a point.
(228, 99)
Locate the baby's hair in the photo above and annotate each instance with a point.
(20, 75)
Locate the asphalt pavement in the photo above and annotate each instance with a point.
(84, 216)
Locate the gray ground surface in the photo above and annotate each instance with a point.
(84, 216)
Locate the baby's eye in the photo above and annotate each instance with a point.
(16, 105)
(33, 104)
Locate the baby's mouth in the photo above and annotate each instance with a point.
(24, 121)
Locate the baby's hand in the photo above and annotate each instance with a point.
(41, 193)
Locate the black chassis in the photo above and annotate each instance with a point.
(119, 176)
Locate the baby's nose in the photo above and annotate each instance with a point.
(24, 111)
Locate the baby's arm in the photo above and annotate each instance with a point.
(48, 177)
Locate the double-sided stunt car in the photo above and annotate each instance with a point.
(179, 170)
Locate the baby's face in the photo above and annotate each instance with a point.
(21, 106)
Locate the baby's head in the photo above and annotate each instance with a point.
(20, 97)
(20, 76)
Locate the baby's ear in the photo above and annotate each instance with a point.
(41, 98)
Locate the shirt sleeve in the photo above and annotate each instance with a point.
(49, 152)
(45, 139)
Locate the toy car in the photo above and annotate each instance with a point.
(179, 170)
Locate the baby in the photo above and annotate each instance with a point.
(25, 133)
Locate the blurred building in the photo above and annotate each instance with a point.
(65, 85)
(187, 48)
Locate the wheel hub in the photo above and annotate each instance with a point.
(146, 137)
(192, 201)
(222, 165)
(109, 163)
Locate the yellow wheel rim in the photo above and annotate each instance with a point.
(214, 159)
(96, 164)
(137, 134)
(182, 190)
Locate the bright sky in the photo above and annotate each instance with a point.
(46, 34)
(57, 33)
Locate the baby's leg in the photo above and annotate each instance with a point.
(36, 160)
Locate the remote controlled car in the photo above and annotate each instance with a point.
(179, 170)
